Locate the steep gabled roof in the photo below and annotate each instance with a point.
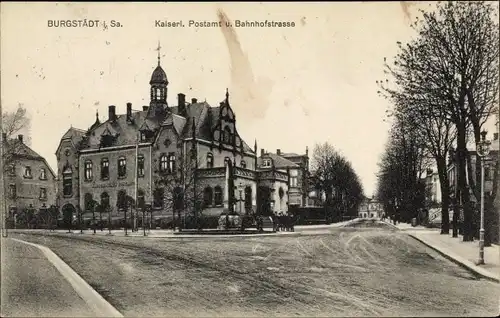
(278, 161)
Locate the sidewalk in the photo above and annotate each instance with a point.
(464, 253)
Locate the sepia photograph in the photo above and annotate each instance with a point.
(250, 159)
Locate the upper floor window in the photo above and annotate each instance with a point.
(67, 182)
(163, 163)
(143, 136)
(158, 94)
(104, 201)
(27, 172)
(43, 194)
(266, 163)
(227, 161)
(293, 178)
(104, 169)
(12, 170)
(210, 160)
(12, 191)
(227, 135)
(122, 167)
(243, 164)
(171, 163)
(140, 166)
(88, 170)
(43, 174)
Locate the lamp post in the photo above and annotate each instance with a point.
(483, 149)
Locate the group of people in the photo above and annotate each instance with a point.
(283, 222)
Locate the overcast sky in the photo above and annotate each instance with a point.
(290, 87)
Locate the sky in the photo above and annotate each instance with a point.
(290, 88)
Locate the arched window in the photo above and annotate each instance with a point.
(177, 195)
(43, 174)
(210, 160)
(171, 163)
(163, 163)
(227, 134)
(207, 196)
(104, 169)
(158, 197)
(158, 93)
(248, 197)
(243, 164)
(227, 161)
(141, 203)
(140, 166)
(122, 167)
(104, 201)
(121, 200)
(88, 202)
(217, 195)
(88, 170)
(68, 182)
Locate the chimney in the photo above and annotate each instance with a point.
(20, 137)
(307, 151)
(278, 152)
(262, 152)
(495, 136)
(111, 113)
(129, 110)
(181, 101)
(144, 108)
(194, 100)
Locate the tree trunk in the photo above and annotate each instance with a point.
(462, 181)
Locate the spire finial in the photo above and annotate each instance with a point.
(227, 94)
(97, 114)
(158, 49)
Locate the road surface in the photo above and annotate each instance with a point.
(32, 287)
(347, 272)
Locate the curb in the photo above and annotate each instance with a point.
(460, 261)
(93, 299)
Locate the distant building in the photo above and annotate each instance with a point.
(433, 187)
(370, 208)
(29, 182)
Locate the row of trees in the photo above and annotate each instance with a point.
(333, 175)
(444, 86)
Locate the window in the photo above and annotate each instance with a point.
(248, 197)
(27, 172)
(227, 161)
(88, 170)
(217, 195)
(243, 164)
(12, 170)
(43, 174)
(88, 201)
(293, 178)
(140, 166)
(158, 94)
(122, 167)
(43, 194)
(227, 135)
(171, 163)
(12, 191)
(207, 196)
(210, 160)
(143, 136)
(141, 203)
(266, 163)
(68, 182)
(178, 196)
(121, 200)
(104, 201)
(163, 163)
(158, 197)
(105, 169)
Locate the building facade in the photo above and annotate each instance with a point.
(29, 182)
(172, 158)
(370, 208)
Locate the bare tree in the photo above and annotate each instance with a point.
(452, 65)
(14, 123)
(334, 175)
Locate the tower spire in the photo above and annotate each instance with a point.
(158, 49)
(227, 94)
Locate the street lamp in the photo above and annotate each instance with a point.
(483, 149)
